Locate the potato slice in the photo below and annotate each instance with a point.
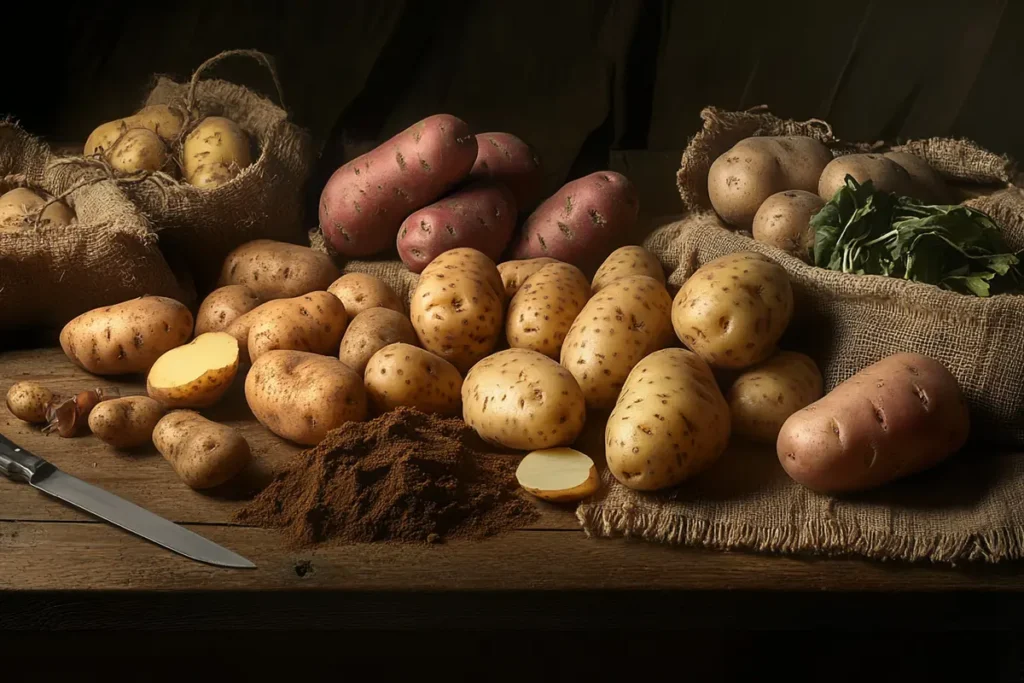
(195, 375)
(560, 475)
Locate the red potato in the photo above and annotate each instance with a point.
(903, 414)
(366, 200)
(582, 222)
(481, 216)
(507, 159)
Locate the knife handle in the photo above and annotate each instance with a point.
(18, 464)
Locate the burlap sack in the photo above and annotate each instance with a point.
(390, 270)
(50, 274)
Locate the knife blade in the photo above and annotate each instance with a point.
(19, 465)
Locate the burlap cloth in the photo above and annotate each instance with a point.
(50, 274)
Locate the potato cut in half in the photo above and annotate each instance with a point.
(560, 475)
(197, 374)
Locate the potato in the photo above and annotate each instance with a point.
(127, 337)
(481, 216)
(20, 206)
(784, 221)
(885, 174)
(405, 375)
(521, 399)
(626, 261)
(278, 270)
(223, 306)
(371, 331)
(515, 273)
(217, 145)
(366, 200)
(126, 422)
(137, 150)
(313, 322)
(928, 185)
(209, 176)
(670, 422)
(762, 398)
(504, 158)
(559, 475)
(544, 309)
(899, 416)
(457, 308)
(756, 168)
(29, 401)
(360, 292)
(581, 221)
(733, 310)
(301, 396)
(161, 119)
(195, 375)
(204, 454)
(627, 320)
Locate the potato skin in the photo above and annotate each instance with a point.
(140, 149)
(405, 375)
(515, 273)
(301, 396)
(504, 158)
(126, 422)
(543, 310)
(313, 322)
(371, 331)
(625, 261)
(458, 307)
(278, 270)
(579, 222)
(885, 174)
(127, 337)
(203, 391)
(929, 186)
(521, 399)
(762, 398)
(784, 221)
(204, 454)
(360, 292)
(733, 310)
(223, 306)
(161, 119)
(28, 401)
(481, 216)
(366, 200)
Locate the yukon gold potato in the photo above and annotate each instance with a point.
(733, 310)
(313, 322)
(458, 306)
(203, 454)
(127, 337)
(762, 398)
(885, 174)
(559, 475)
(521, 399)
(216, 145)
(627, 320)
(515, 273)
(29, 401)
(405, 375)
(625, 261)
(360, 292)
(544, 308)
(371, 331)
(670, 422)
(20, 207)
(899, 416)
(126, 422)
(784, 221)
(278, 270)
(137, 150)
(161, 119)
(301, 396)
(195, 375)
(223, 306)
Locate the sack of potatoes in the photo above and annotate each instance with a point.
(70, 240)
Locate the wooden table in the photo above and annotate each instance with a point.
(62, 569)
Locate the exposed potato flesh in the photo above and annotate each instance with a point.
(195, 375)
(560, 475)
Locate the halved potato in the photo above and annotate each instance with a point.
(195, 375)
(560, 475)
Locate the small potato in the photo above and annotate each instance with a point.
(195, 375)
(313, 322)
(371, 331)
(544, 309)
(360, 292)
(521, 399)
(515, 273)
(405, 375)
(504, 158)
(29, 401)
(278, 270)
(670, 422)
(784, 221)
(733, 310)
(126, 422)
(161, 119)
(127, 337)
(223, 306)
(301, 396)
(762, 398)
(885, 174)
(458, 307)
(137, 150)
(217, 142)
(19, 208)
(627, 320)
(625, 261)
(929, 186)
(204, 454)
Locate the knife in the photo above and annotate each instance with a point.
(18, 464)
